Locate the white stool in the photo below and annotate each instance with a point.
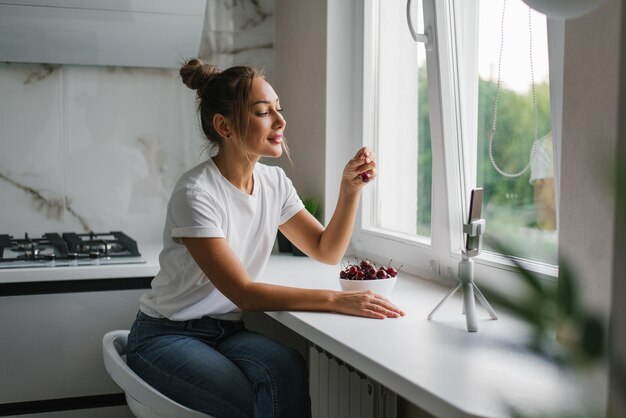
(143, 400)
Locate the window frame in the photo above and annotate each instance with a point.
(435, 258)
(349, 28)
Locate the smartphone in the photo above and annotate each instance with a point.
(475, 212)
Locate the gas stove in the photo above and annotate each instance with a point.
(68, 249)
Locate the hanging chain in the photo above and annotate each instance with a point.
(495, 103)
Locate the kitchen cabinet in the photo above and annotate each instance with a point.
(113, 411)
(51, 351)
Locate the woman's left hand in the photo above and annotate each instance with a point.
(360, 170)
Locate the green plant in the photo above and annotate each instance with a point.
(581, 334)
(546, 308)
(313, 206)
(564, 331)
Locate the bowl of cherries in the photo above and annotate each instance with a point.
(365, 275)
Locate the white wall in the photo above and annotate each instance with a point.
(314, 75)
(590, 123)
(617, 392)
(300, 69)
(591, 118)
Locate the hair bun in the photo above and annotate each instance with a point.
(196, 74)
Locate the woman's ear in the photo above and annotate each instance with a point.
(222, 126)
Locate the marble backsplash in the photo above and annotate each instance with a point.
(100, 148)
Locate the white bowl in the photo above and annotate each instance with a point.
(383, 287)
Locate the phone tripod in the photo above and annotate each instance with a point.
(466, 280)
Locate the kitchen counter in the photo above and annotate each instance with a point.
(115, 271)
(434, 364)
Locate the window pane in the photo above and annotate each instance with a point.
(517, 175)
(402, 196)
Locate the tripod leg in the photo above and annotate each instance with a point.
(483, 301)
(470, 307)
(450, 293)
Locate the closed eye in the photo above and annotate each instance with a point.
(267, 112)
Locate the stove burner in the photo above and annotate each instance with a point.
(107, 244)
(53, 249)
(100, 246)
(29, 254)
(46, 248)
(29, 245)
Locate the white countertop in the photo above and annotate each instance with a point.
(114, 271)
(434, 364)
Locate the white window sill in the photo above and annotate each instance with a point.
(434, 364)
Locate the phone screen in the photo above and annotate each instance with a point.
(475, 212)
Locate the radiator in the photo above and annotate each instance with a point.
(340, 391)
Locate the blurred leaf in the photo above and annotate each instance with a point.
(568, 301)
(593, 337)
(584, 341)
(525, 310)
(529, 277)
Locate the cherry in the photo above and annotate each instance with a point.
(365, 177)
(365, 269)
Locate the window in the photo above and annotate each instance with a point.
(517, 174)
(400, 105)
(428, 112)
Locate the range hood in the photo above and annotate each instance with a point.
(133, 33)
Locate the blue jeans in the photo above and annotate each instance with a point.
(220, 368)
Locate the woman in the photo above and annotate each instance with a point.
(188, 340)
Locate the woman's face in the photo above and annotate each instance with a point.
(265, 123)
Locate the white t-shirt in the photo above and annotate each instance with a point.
(205, 204)
(541, 166)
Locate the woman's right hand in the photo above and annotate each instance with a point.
(367, 304)
(362, 164)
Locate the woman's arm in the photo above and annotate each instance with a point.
(221, 265)
(329, 245)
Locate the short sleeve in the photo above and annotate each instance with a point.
(194, 213)
(541, 166)
(292, 203)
